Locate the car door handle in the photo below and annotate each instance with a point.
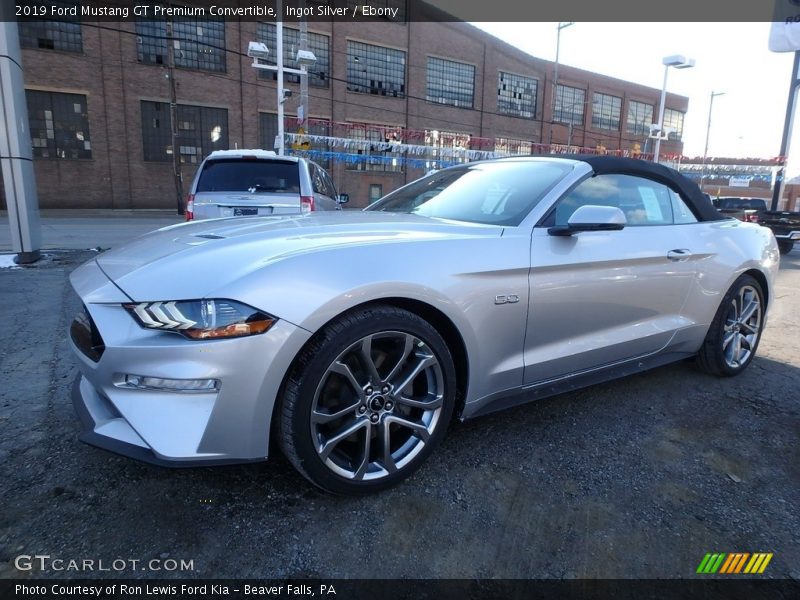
(679, 254)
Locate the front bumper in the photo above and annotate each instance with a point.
(223, 426)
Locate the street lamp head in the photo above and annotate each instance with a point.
(565, 24)
(306, 58)
(257, 50)
(679, 61)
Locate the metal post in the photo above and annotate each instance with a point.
(555, 75)
(657, 149)
(16, 149)
(788, 125)
(708, 132)
(303, 113)
(279, 50)
(173, 117)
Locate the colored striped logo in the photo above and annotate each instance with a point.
(734, 563)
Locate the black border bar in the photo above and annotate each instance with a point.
(443, 10)
(731, 588)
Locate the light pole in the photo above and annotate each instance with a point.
(258, 51)
(708, 131)
(679, 62)
(561, 25)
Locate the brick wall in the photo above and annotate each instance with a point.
(115, 83)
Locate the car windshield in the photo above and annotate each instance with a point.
(493, 193)
(249, 175)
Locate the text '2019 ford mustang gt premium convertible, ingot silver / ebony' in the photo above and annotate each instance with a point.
(350, 340)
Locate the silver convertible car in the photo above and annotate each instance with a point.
(351, 340)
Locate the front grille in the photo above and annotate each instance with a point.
(85, 335)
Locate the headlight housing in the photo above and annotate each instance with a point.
(202, 319)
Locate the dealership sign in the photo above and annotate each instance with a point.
(739, 181)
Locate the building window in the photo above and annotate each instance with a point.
(59, 125)
(197, 44)
(456, 145)
(451, 82)
(52, 35)
(380, 155)
(381, 6)
(376, 70)
(516, 95)
(606, 111)
(570, 104)
(375, 192)
(513, 147)
(640, 117)
(201, 130)
(674, 119)
(317, 43)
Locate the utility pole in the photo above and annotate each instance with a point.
(279, 60)
(173, 117)
(16, 149)
(561, 25)
(788, 125)
(708, 132)
(302, 113)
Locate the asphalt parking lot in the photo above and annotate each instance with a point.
(637, 478)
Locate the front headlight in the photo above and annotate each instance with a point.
(202, 319)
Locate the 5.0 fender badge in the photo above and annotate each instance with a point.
(506, 299)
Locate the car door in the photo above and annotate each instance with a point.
(602, 297)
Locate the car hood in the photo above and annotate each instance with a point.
(191, 260)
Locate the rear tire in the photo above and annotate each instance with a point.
(367, 401)
(785, 246)
(735, 332)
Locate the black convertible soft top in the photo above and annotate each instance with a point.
(688, 189)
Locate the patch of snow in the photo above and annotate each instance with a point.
(7, 262)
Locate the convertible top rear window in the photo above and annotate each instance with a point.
(500, 193)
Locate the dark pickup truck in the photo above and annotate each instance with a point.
(784, 225)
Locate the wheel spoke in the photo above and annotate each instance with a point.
(408, 346)
(365, 354)
(432, 404)
(384, 437)
(323, 417)
(726, 341)
(749, 310)
(342, 369)
(737, 348)
(345, 432)
(425, 362)
(418, 428)
(750, 329)
(362, 468)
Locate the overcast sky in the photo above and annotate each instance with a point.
(731, 57)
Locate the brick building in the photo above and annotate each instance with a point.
(98, 98)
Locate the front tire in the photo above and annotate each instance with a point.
(785, 246)
(367, 400)
(735, 332)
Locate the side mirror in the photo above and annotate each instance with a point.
(591, 218)
(343, 198)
